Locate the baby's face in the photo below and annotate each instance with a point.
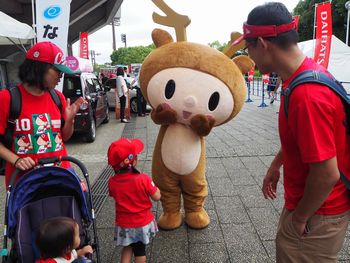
(190, 92)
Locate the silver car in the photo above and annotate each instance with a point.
(110, 86)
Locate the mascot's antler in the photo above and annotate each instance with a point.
(230, 50)
(172, 19)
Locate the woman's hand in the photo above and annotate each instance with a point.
(24, 164)
(72, 109)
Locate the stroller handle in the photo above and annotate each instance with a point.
(50, 160)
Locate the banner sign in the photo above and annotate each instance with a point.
(84, 45)
(323, 33)
(52, 22)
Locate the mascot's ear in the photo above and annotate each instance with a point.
(230, 50)
(161, 37)
(244, 63)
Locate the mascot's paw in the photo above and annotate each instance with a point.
(198, 219)
(164, 115)
(202, 124)
(170, 221)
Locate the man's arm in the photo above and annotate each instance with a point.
(319, 184)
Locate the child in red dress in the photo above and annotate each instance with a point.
(134, 221)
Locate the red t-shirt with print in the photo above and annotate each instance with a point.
(313, 132)
(131, 192)
(38, 128)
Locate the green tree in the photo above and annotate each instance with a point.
(131, 55)
(216, 44)
(306, 11)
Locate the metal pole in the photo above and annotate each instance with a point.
(34, 24)
(113, 33)
(313, 35)
(347, 6)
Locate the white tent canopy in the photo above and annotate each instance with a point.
(339, 59)
(13, 31)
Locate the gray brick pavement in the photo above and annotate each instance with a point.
(243, 224)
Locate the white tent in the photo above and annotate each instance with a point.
(339, 59)
(14, 32)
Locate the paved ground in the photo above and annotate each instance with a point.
(243, 224)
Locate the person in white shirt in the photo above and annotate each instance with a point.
(141, 102)
(122, 90)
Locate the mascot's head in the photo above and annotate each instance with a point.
(193, 79)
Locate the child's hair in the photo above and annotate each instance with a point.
(56, 237)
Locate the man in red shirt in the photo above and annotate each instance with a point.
(314, 144)
(38, 130)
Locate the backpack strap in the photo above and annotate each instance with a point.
(314, 76)
(345, 180)
(15, 110)
(58, 102)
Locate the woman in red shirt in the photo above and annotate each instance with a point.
(135, 224)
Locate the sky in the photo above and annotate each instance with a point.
(210, 21)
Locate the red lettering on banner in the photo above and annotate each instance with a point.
(323, 33)
(84, 46)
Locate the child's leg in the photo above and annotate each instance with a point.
(126, 255)
(139, 250)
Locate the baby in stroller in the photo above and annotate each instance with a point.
(57, 239)
(39, 196)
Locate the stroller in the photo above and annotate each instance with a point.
(42, 193)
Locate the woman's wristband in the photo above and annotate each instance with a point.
(17, 161)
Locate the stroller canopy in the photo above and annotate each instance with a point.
(37, 181)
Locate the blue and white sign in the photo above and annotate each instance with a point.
(52, 12)
(52, 23)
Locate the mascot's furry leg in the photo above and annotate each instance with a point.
(169, 186)
(195, 190)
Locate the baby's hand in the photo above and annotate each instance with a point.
(202, 124)
(164, 115)
(85, 250)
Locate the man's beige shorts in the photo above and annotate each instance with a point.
(322, 244)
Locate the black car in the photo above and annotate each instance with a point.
(96, 111)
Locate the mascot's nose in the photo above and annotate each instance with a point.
(190, 101)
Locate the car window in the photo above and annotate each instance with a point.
(90, 85)
(97, 84)
(72, 87)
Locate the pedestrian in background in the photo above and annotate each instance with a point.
(135, 224)
(141, 102)
(315, 146)
(122, 91)
(272, 87)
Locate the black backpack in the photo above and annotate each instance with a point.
(314, 76)
(15, 111)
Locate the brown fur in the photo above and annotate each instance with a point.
(193, 186)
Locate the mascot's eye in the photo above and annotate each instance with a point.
(214, 101)
(170, 89)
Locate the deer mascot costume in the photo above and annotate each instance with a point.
(191, 88)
